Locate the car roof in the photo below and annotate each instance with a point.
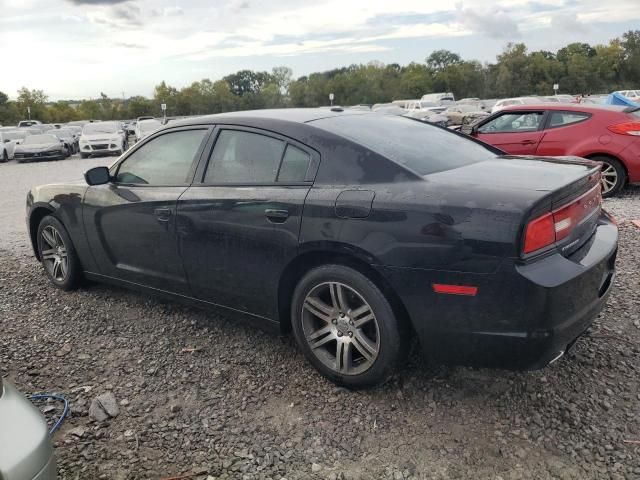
(292, 115)
(578, 107)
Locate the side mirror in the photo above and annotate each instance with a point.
(468, 129)
(97, 176)
(7, 140)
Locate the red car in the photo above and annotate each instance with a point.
(609, 134)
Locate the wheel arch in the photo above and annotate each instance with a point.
(35, 217)
(308, 260)
(591, 156)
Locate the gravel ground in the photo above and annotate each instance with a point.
(201, 394)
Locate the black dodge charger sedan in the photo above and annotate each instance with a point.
(355, 230)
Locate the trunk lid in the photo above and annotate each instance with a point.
(536, 186)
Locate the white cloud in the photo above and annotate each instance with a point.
(135, 41)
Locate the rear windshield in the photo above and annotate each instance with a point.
(418, 146)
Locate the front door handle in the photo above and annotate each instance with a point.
(162, 214)
(276, 216)
(527, 142)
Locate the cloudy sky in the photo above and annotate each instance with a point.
(79, 48)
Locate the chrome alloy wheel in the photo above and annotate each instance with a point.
(608, 178)
(340, 328)
(54, 254)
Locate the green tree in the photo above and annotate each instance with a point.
(441, 59)
(34, 100)
(631, 67)
(415, 81)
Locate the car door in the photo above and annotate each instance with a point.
(515, 132)
(130, 221)
(562, 128)
(239, 227)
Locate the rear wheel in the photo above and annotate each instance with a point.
(345, 326)
(84, 155)
(5, 157)
(614, 176)
(57, 254)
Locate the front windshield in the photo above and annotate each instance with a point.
(105, 127)
(40, 139)
(14, 135)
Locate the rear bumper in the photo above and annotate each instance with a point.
(523, 316)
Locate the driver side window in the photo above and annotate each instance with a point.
(165, 160)
(513, 123)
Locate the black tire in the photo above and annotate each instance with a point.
(84, 155)
(71, 276)
(5, 157)
(389, 341)
(612, 165)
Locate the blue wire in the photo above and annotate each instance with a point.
(65, 411)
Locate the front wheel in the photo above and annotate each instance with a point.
(84, 155)
(346, 327)
(5, 157)
(614, 176)
(57, 254)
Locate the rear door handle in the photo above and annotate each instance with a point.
(276, 216)
(527, 142)
(162, 214)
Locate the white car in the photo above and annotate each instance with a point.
(26, 452)
(28, 123)
(144, 128)
(422, 109)
(439, 98)
(8, 141)
(102, 138)
(506, 102)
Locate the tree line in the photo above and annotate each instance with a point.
(579, 68)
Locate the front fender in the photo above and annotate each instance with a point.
(64, 202)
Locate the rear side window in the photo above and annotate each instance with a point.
(635, 113)
(244, 157)
(560, 119)
(295, 164)
(418, 146)
(516, 122)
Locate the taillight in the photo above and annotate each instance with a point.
(554, 226)
(540, 233)
(627, 128)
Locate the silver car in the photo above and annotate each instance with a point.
(25, 448)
